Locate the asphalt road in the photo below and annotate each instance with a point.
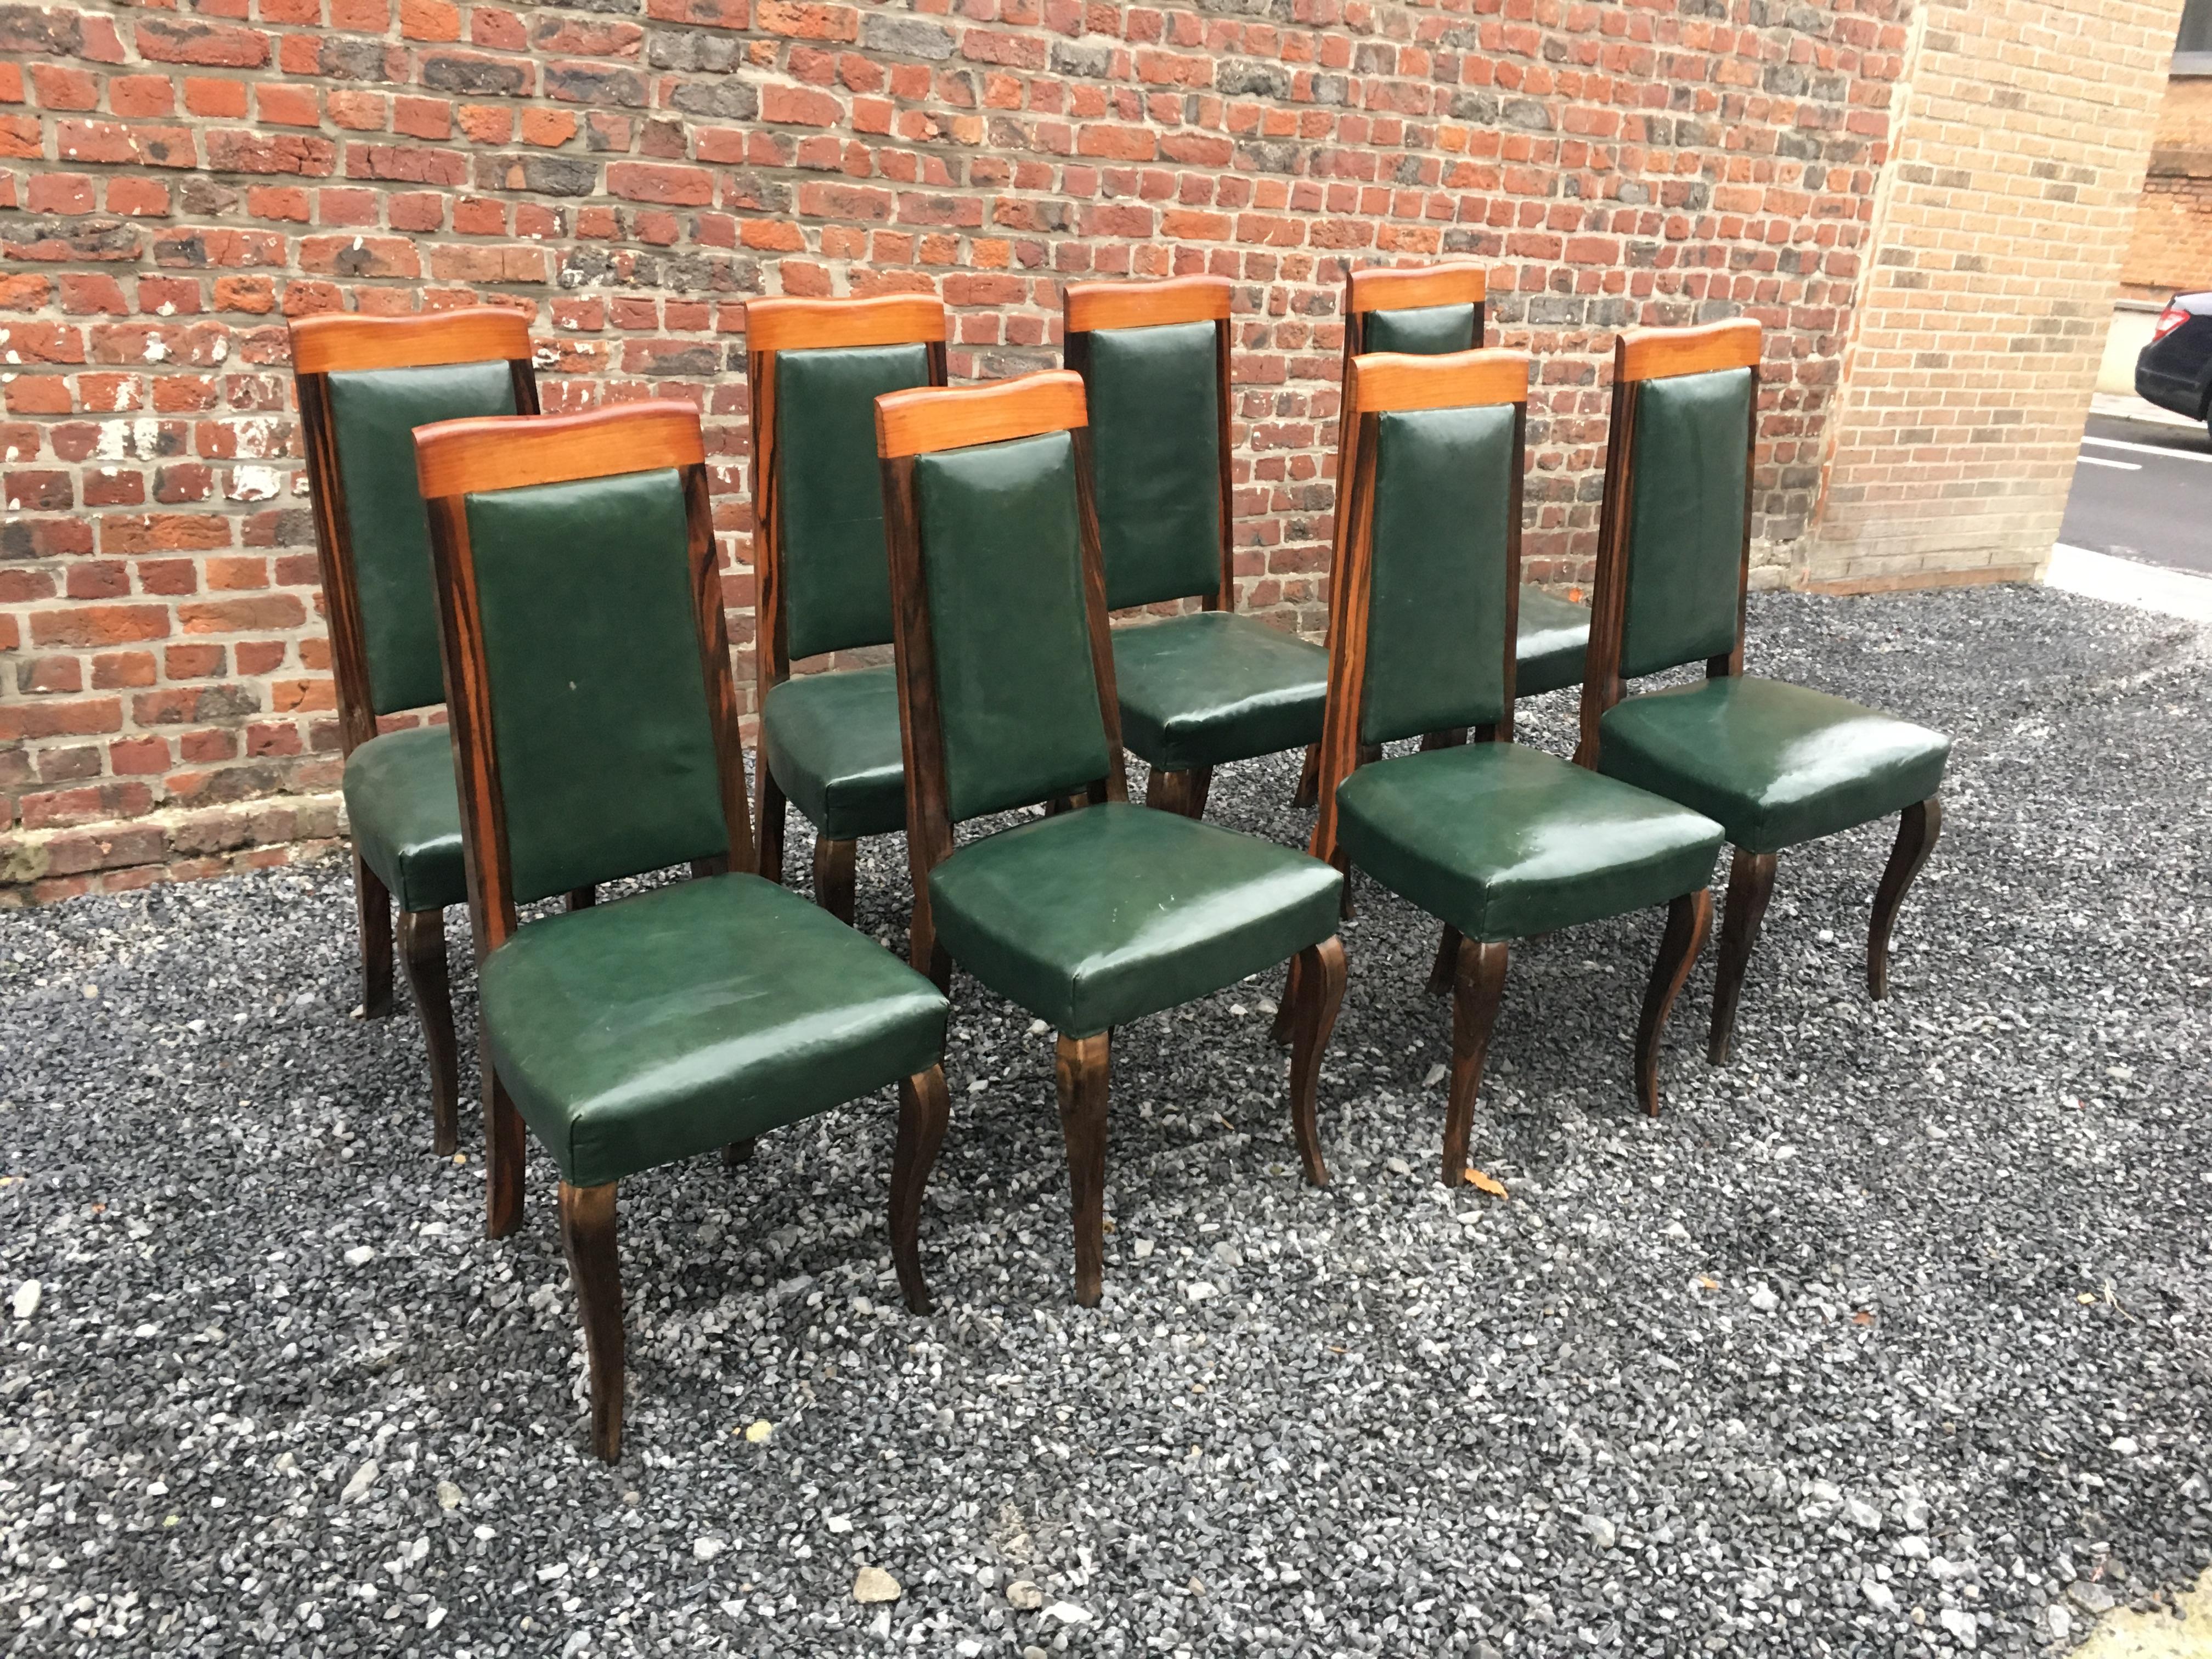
(2144, 492)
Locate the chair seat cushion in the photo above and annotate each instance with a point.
(1504, 841)
(1213, 687)
(633, 1034)
(1549, 647)
(406, 816)
(833, 745)
(1776, 764)
(1101, 915)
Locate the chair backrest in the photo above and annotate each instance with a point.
(816, 368)
(1005, 668)
(364, 385)
(1421, 312)
(593, 715)
(1675, 531)
(1154, 359)
(1431, 570)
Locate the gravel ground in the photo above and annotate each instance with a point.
(1890, 1338)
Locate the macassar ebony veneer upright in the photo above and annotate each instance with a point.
(1205, 688)
(828, 743)
(365, 383)
(1096, 915)
(1498, 841)
(1775, 764)
(596, 729)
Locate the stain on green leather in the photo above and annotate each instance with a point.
(1504, 841)
(1776, 764)
(1686, 520)
(1422, 330)
(1156, 459)
(1435, 619)
(1213, 687)
(1551, 644)
(598, 707)
(634, 1034)
(833, 743)
(406, 816)
(374, 415)
(1100, 916)
(1002, 574)
(836, 570)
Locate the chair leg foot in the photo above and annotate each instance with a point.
(1751, 883)
(422, 947)
(1081, 1066)
(1689, 919)
(1478, 989)
(1917, 830)
(925, 1110)
(769, 854)
(503, 1157)
(587, 1238)
(373, 903)
(1320, 994)
(1444, 973)
(739, 1152)
(1308, 792)
(834, 876)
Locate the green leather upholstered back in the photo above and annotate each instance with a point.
(836, 574)
(374, 415)
(1156, 456)
(1436, 594)
(1685, 519)
(598, 708)
(1422, 330)
(1002, 573)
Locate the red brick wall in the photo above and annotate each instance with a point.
(176, 180)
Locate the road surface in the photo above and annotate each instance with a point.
(2143, 492)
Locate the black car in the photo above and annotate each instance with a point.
(2174, 371)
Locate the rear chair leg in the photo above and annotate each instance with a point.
(587, 1237)
(372, 902)
(1445, 972)
(422, 944)
(1080, 1066)
(769, 859)
(925, 1108)
(834, 876)
(1689, 919)
(739, 1152)
(1751, 883)
(1308, 792)
(1479, 986)
(1321, 991)
(1917, 830)
(503, 1154)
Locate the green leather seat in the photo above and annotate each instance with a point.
(1550, 643)
(632, 1035)
(832, 741)
(1505, 842)
(406, 816)
(1096, 917)
(1775, 764)
(1211, 687)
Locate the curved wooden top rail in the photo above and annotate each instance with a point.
(1382, 289)
(1654, 354)
(930, 418)
(1396, 379)
(511, 451)
(813, 324)
(337, 342)
(1091, 306)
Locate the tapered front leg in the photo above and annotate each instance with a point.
(768, 855)
(1917, 830)
(422, 944)
(1443, 974)
(373, 904)
(1320, 994)
(503, 1153)
(1308, 792)
(1751, 883)
(1081, 1066)
(1689, 918)
(925, 1108)
(834, 876)
(1166, 791)
(587, 1237)
(1477, 988)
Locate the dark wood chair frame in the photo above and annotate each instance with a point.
(1471, 970)
(461, 457)
(1089, 306)
(802, 324)
(911, 423)
(1642, 355)
(337, 343)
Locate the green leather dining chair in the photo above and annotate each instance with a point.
(596, 724)
(1199, 689)
(1096, 915)
(1498, 841)
(1776, 764)
(828, 742)
(364, 385)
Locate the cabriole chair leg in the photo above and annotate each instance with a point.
(422, 947)
(373, 902)
(1751, 883)
(587, 1238)
(925, 1110)
(503, 1156)
(834, 876)
(1689, 919)
(1917, 830)
(1478, 989)
(1320, 994)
